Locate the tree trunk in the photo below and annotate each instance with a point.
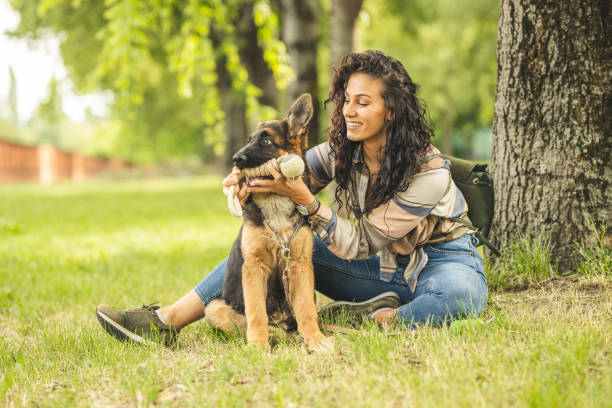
(233, 102)
(342, 19)
(251, 55)
(301, 34)
(551, 146)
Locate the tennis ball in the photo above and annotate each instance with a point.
(292, 166)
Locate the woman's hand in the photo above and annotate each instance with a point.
(296, 189)
(236, 180)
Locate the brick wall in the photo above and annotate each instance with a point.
(47, 164)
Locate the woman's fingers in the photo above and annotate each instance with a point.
(279, 184)
(231, 179)
(262, 186)
(276, 174)
(243, 193)
(276, 185)
(294, 189)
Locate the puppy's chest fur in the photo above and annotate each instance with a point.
(277, 211)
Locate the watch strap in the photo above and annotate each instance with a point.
(310, 209)
(315, 207)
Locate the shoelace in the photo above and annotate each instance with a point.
(152, 307)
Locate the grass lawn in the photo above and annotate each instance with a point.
(66, 248)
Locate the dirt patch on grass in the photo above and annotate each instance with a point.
(173, 393)
(556, 295)
(7, 328)
(563, 283)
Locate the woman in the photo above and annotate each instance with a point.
(402, 258)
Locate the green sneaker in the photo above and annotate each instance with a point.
(139, 325)
(362, 310)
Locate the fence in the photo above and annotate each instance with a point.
(47, 164)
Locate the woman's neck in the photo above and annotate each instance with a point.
(373, 150)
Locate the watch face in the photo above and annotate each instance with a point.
(302, 210)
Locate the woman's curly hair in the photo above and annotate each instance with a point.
(408, 130)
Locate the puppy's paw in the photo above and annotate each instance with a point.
(324, 345)
(259, 344)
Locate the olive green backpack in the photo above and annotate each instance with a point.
(476, 184)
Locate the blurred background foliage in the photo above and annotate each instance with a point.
(190, 78)
(449, 49)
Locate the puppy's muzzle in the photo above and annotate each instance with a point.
(291, 166)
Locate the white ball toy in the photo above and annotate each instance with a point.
(292, 166)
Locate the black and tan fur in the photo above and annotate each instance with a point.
(253, 295)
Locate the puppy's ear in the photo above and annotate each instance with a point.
(299, 116)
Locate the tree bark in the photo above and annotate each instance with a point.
(233, 102)
(251, 55)
(301, 35)
(342, 19)
(551, 146)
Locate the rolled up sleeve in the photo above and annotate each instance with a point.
(321, 166)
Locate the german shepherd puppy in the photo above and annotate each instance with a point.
(253, 292)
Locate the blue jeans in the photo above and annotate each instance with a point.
(451, 286)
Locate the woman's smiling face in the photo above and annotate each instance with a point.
(364, 108)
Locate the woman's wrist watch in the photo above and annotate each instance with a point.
(310, 209)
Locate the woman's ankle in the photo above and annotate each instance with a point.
(166, 316)
(385, 316)
(184, 311)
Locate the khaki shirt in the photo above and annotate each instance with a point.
(401, 226)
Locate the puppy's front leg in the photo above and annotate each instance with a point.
(301, 290)
(303, 303)
(255, 275)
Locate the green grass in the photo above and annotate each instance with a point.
(524, 262)
(527, 262)
(66, 248)
(596, 260)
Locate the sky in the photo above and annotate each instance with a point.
(34, 65)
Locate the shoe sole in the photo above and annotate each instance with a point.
(116, 330)
(362, 308)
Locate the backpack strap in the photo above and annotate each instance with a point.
(480, 237)
(433, 156)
